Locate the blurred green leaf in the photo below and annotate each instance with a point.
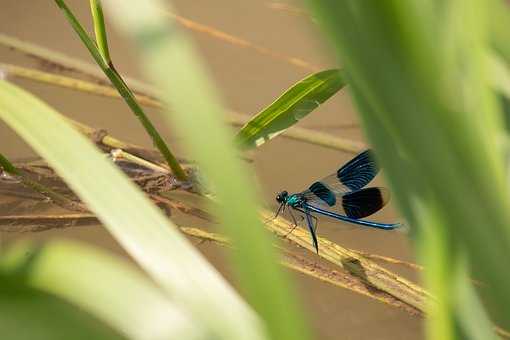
(170, 60)
(102, 285)
(297, 102)
(140, 227)
(418, 72)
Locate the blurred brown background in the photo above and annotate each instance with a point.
(248, 81)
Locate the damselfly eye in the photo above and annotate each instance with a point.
(281, 197)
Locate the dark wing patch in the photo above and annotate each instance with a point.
(365, 202)
(323, 192)
(359, 171)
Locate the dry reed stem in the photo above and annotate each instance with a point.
(280, 6)
(388, 260)
(60, 61)
(239, 42)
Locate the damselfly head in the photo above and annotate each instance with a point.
(282, 197)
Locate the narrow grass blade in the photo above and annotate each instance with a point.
(145, 233)
(104, 286)
(171, 61)
(297, 102)
(100, 30)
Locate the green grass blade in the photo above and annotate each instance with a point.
(123, 90)
(7, 165)
(100, 29)
(104, 286)
(151, 239)
(297, 102)
(171, 61)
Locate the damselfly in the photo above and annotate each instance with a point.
(341, 196)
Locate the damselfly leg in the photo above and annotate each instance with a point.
(294, 221)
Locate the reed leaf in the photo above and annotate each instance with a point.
(100, 29)
(293, 105)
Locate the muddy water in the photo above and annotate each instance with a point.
(248, 81)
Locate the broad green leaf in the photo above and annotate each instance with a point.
(297, 102)
(102, 285)
(140, 227)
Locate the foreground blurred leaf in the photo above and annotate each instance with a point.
(172, 63)
(298, 101)
(104, 286)
(146, 234)
(418, 72)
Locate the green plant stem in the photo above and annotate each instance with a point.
(8, 166)
(124, 91)
(100, 29)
